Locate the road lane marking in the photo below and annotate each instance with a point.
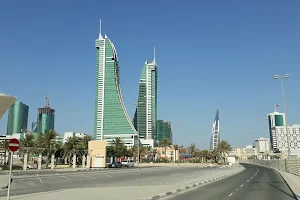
(230, 194)
(65, 177)
(39, 178)
(242, 185)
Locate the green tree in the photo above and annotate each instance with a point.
(49, 142)
(205, 155)
(84, 142)
(119, 149)
(70, 147)
(192, 149)
(224, 148)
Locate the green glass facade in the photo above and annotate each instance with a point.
(111, 118)
(164, 130)
(17, 118)
(45, 119)
(145, 117)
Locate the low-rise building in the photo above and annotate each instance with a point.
(167, 152)
(72, 134)
(262, 145)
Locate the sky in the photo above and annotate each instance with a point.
(210, 54)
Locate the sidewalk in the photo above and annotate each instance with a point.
(293, 181)
(157, 189)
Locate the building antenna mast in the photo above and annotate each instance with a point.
(47, 102)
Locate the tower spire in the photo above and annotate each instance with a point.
(154, 60)
(100, 36)
(47, 102)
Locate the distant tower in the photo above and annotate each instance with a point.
(17, 118)
(45, 118)
(145, 117)
(215, 135)
(111, 119)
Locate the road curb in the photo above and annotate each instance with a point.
(162, 195)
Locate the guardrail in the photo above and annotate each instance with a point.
(291, 166)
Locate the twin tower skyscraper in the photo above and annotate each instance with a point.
(111, 119)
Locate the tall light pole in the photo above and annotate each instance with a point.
(138, 129)
(281, 78)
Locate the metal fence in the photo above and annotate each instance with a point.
(291, 166)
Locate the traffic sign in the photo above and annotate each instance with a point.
(13, 145)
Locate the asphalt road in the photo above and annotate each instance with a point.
(35, 183)
(253, 183)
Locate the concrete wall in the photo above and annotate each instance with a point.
(96, 150)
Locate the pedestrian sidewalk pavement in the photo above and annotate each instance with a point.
(293, 181)
(137, 192)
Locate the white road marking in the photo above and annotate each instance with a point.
(39, 178)
(237, 189)
(248, 180)
(89, 177)
(65, 177)
(242, 185)
(230, 194)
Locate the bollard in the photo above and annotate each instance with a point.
(88, 161)
(25, 161)
(74, 161)
(83, 161)
(40, 161)
(52, 161)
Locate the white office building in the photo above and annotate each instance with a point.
(280, 141)
(262, 145)
(279, 135)
(72, 134)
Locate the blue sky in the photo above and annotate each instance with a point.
(210, 54)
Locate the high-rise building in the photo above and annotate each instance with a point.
(45, 118)
(275, 119)
(279, 133)
(111, 119)
(215, 135)
(17, 118)
(145, 116)
(164, 130)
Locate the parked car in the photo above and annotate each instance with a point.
(115, 165)
(128, 163)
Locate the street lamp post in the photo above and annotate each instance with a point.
(285, 118)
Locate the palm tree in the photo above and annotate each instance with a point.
(224, 148)
(165, 142)
(84, 142)
(70, 148)
(205, 155)
(215, 155)
(28, 142)
(192, 149)
(49, 142)
(4, 146)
